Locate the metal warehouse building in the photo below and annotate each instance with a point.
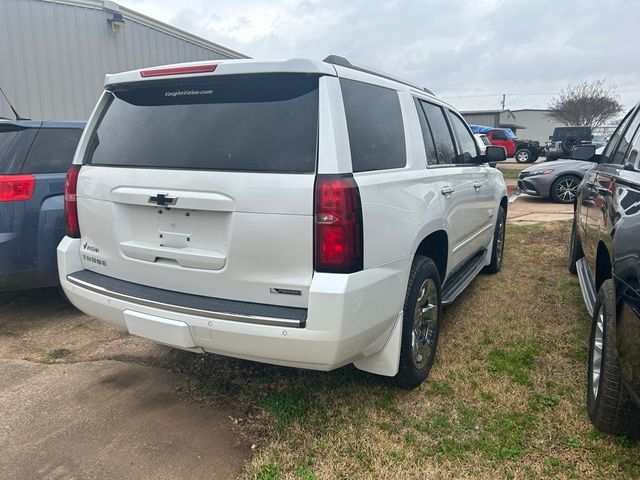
(54, 54)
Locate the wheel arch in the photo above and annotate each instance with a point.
(436, 247)
(603, 265)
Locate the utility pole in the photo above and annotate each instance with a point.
(504, 98)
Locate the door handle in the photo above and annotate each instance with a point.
(478, 185)
(447, 190)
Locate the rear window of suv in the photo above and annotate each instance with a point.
(263, 123)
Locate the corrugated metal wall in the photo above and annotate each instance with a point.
(54, 56)
(488, 119)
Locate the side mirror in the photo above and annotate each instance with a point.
(583, 152)
(495, 154)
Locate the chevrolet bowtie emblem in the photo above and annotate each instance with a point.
(163, 199)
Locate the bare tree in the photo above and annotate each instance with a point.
(588, 104)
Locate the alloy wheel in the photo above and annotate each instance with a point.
(567, 190)
(424, 323)
(596, 357)
(522, 157)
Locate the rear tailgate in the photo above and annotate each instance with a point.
(205, 186)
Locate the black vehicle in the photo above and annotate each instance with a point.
(527, 151)
(605, 253)
(564, 139)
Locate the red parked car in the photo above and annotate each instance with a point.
(498, 137)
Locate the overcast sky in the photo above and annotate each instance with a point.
(468, 52)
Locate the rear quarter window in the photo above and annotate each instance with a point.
(52, 150)
(375, 127)
(259, 123)
(6, 139)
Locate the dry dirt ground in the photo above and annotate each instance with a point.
(505, 399)
(79, 399)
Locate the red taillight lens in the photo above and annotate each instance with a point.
(71, 203)
(14, 188)
(338, 225)
(161, 72)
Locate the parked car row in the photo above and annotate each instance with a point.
(523, 151)
(325, 222)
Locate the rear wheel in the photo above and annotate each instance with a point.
(608, 403)
(421, 323)
(565, 189)
(497, 248)
(523, 155)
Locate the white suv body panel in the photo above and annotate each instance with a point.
(259, 227)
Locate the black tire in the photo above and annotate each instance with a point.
(497, 247)
(564, 189)
(575, 248)
(568, 144)
(523, 155)
(414, 370)
(609, 406)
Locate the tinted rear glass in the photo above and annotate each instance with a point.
(239, 122)
(374, 122)
(6, 138)
(52, 150)
(583, 133)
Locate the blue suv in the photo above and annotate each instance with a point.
(34, 158)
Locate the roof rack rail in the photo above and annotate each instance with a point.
(343, 62)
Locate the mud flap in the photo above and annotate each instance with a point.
(386, 361)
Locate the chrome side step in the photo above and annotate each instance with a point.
(586, 285)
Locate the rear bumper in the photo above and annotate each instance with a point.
(349, 317)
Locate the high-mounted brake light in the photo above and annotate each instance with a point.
(338, 225)
(160, 72)
(14, 188)
(71, 202)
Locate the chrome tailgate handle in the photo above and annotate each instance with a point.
(185, 257)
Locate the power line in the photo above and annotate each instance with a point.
(480, 95)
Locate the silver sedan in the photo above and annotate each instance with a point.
(557, 180)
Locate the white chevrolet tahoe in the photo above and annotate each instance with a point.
(301, 213)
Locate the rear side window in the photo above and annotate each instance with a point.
(6, 139)
(374, 123)
(429, 146)
(625, 141)
(499, 135)
(468, 146)
(260, 123)
(52, 150)
(441, 134)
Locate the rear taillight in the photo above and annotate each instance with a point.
(338, 225)
(14, 188)
(71, 203)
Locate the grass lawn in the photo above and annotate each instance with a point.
(510, 173)
(505, 399)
